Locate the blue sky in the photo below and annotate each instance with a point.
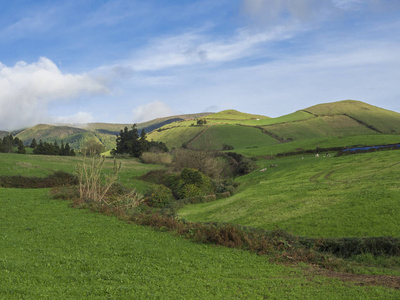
(128, 61)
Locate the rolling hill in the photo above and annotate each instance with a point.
(341, 123)
(347, 122)
(105, 133)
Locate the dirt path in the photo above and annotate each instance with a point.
(359, 279)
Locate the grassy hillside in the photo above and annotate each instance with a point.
(105, 133)
(50, 251)
(232, 114)
(321, 142)
(355, 195)
(336, 125)
(48, 132)
(303, 129)
(239, 137)
(354, 122)
(379, 119)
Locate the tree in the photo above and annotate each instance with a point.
(92, 147)
(144, 144)
(8, 143)
(21, 147)
(128, 142)
(201, 122)
(33, 143)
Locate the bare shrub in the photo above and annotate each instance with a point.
(94, 186)
(204, 161)
(91, 185)
(156, 158)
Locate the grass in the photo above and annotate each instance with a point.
(240, 137)
(355, 195)
(43, 165)
(319, 127)
(49, 250)
(177, 134)
(232, 114)
(321, 142)
(384, 120)
(335, 124)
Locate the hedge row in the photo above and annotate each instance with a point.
(58, 178)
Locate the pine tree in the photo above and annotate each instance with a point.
(128, 142)
(21, 147)
(33, 143)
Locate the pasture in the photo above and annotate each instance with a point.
(49, 250)
(348, 196)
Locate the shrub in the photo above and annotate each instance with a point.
(58, 178)
(241, 164)
(156, 158)
(204, 161)
(159, 196)
(190, 190)
(93, 184)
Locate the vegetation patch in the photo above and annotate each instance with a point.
(56, 179)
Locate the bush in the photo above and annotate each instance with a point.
(188, 183)
(58, 178)
(159, 196)
(204, 161)
(156, 158)
(346, 247)
(190, 190)
(241, 165)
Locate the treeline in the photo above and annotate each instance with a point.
(45, 148)
(9, 143)
(129, 142)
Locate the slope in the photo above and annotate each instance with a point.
(351, 196)
(303, 129)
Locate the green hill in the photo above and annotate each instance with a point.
(232, 114)
(252, 135)
(77, 134)
(255, 135)
(372, 117)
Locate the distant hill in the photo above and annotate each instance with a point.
(77, 134)
(344, 122)
(341, 123)
(232, 114)
(3, 134)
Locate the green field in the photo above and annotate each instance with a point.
(239, 137)
(43, 165)
(354, 195)
(51, 251)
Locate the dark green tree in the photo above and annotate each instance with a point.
(21, 147)
(33, 143)
(128, 142)
(144, 144)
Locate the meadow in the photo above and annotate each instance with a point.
(348, 196)
(50, 250)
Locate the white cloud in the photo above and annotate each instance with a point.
(151, 111)
(197, 48)
(26, 89)
(78, 118)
